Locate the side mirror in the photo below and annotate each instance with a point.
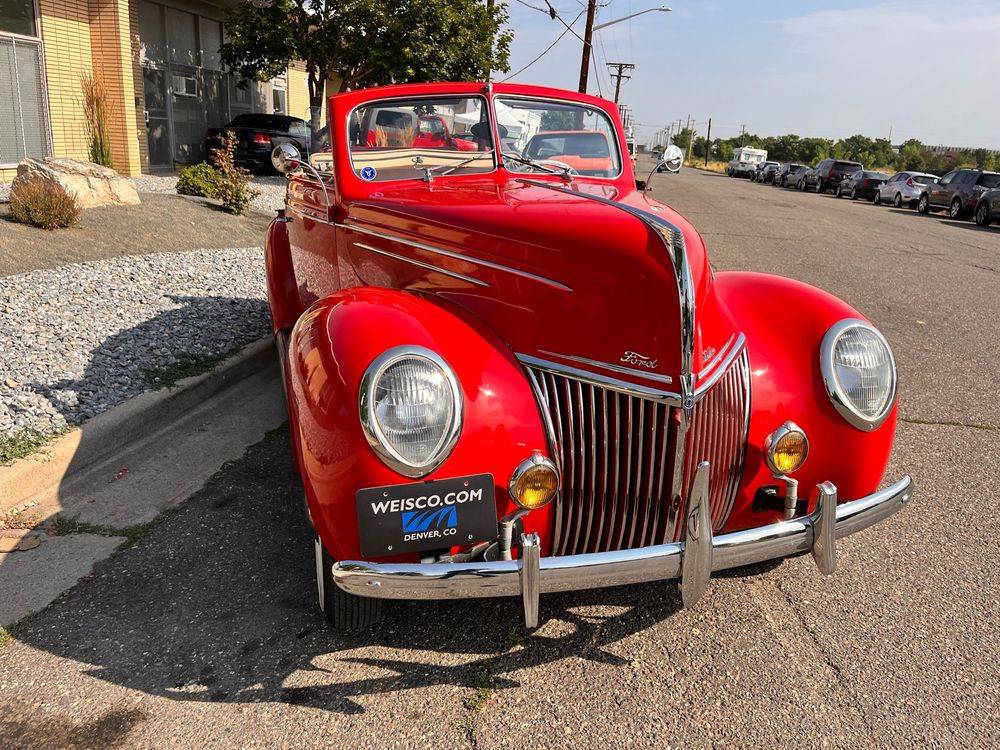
(286, 158)
(672, 158)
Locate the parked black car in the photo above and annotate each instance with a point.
(861, 184)
(764, 170)
(959, 191)
(988, 208)
(780, 177)
(256, 136)
(828, 173)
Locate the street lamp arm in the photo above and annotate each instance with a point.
(661, 9)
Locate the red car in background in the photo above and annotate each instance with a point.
(509, 374)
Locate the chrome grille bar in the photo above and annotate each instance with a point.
(622, 484)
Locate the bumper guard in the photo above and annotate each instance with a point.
(692, 560)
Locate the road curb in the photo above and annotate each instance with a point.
(34, 479)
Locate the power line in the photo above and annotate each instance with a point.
(544, 51)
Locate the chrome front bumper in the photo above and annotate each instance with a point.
(692, 560)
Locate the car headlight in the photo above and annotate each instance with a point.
(859, 372)
(411, 409)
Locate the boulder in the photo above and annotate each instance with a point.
(90, 184)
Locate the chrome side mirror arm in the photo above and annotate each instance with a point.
(287, 159)
(671, 160)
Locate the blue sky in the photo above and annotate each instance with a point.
(927, 70)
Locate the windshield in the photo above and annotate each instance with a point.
(398, 139)
(569, 134)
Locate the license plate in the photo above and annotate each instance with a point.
(426, 515)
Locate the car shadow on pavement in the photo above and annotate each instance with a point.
(217, 603)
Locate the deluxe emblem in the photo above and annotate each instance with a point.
(707, 354)
(634, 358)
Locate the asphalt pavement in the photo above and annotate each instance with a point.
(206, 634)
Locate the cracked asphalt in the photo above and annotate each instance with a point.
(206, 634)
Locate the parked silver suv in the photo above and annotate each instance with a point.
(903, 188)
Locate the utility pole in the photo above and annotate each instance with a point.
(619, 74)
(588, 35)
(708, 141)
(743, 133)
(690, 152)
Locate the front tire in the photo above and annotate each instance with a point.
(819, 187)
(955, 209)
(983, 214)
(853, 194)
(924, 204)
(341, 610)
(877, 200)
(802, 185)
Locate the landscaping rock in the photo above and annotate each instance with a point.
(89, 184)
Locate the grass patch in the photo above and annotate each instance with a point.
(185, 367)
(25, 443)
(5, 636)
(63, 526)
(481, 694)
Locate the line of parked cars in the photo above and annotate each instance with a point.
(964, 193)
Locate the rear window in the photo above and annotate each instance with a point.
(846, 166)
(989, 180)
(876, 176)
(923, 179)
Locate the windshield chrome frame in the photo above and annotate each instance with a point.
(418, 174)
(494, 96)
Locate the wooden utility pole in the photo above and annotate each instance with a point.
(588, 35)
(708, 141)
(619, 74)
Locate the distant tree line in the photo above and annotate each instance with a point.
(875, 153)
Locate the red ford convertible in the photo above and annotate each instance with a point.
(508, 377)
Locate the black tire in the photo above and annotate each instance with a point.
(802, 185)
(838, 192)
(924, 204)
(341, 610)
(983, 214)
(819, 187)
(897, 200)
(955, 209)
(853, 194)
(877, 198)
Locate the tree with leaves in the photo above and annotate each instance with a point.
(366, 42)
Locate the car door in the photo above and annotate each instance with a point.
(887, 191)
(939, 192)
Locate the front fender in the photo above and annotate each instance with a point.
(332, 345)
(784, 322)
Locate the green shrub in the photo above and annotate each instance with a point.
(233, 188)
(199, 179)
(43, 205)
(95, 111)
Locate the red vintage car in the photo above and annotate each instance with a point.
(506, 378)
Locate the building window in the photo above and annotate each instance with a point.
(279, 101)
(18, 17)
(23, 130)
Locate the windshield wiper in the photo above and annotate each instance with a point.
(565, 172)
(431, 172)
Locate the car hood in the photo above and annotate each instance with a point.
(561, 277)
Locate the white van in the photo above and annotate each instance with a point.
(745, 161)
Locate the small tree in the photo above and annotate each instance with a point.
(366, 42)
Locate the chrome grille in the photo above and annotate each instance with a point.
(718, 434)
(615, 451)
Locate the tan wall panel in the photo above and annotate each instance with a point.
(66, 35)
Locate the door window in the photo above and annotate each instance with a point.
(947, 179)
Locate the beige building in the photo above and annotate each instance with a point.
(159, 62)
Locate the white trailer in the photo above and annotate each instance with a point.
(745, 160)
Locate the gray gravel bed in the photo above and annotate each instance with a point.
(272, 189)
(77, 340)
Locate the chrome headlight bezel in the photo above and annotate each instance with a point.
(834, 390)
(369, 423)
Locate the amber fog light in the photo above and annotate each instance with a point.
(534, 482)
(786, 449)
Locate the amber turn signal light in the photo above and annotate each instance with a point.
(786, 449)
(534, 482)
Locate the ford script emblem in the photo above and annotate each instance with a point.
(634, 358)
